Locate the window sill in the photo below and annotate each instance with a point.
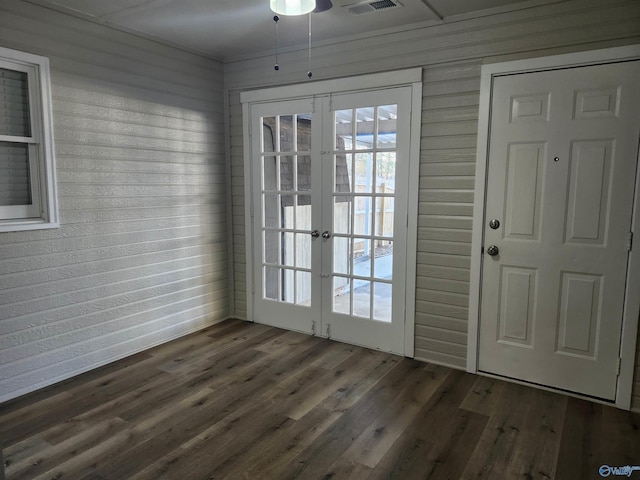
(21, 225)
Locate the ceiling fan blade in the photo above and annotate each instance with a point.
(322, 5)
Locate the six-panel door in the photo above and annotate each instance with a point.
(561, 175)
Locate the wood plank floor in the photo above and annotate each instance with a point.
(246, 401)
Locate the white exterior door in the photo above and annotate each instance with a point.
(365, 189)
(330, 185)
(286, 187)
(563, 154)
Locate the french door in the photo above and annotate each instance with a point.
(329, 195)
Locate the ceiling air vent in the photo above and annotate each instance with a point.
(372, 6)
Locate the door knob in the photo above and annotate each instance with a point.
(493, 250)
(326, 234)
(315, 234)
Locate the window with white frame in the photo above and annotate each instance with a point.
(27, 164)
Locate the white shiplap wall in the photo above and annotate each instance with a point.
(141, 255)
(451, 55)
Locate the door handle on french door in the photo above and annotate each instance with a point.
(315, 234)
(493, 250)
(326, 234)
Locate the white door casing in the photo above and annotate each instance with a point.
(560, 179)
(316, 313)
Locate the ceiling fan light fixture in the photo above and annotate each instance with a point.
(292, 7)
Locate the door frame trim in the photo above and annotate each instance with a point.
(409, 77)
(632, 302)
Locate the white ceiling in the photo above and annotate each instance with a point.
(230, 29)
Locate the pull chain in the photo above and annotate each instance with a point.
(276, 67)
(309, 74)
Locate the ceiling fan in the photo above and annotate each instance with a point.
(299, 7)
(322, 6)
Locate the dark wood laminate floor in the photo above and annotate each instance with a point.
(245, 401)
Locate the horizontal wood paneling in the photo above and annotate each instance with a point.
(568, 25)
(635, 401)
(451, 55)
(238, 202)
(141, 254)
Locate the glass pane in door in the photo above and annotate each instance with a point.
(286, 208)
(387, 126)
(363, 211)
(365, 125)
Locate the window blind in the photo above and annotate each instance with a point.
(15, 183)
(14, 104)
